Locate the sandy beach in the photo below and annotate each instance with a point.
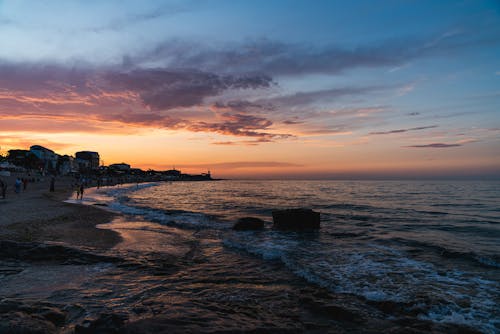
(36, 214)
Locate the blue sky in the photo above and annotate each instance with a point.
(412, 81)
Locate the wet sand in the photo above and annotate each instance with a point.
(39, 215)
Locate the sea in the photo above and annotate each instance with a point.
(432, 247)
(390, 257)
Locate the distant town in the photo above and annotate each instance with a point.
(39, 159)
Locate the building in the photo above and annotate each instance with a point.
(87, 160)
(46, 156)
(121, 167)
(66, 165)
(172, 174)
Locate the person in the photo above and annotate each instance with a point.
(17, 186)
(52, 184)
(25, 183)
(3, 188)
(77, 190)
(81, 191)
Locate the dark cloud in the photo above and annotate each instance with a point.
(435, 145)
(277, 58)
(240, 125)
(318, 96)
(404, 130)
(164, 89)
(292, 122)
(38, 77)
(242, 106)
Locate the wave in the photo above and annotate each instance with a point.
(475, 258)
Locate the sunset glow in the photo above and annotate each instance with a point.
(257, 89)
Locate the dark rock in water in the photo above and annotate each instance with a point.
(100, 204)
(296, 219)
(107, 323)
(43, 252)
(248, 223)
(54, 315)
(21, 322)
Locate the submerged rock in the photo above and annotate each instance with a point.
(20, 322)
(296, 219)
(106, 323)
(248, 223)
(46, 252)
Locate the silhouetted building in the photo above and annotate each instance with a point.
(87, 160)
(122, 167)
(46, 156)
(66, 165)
(172, 174)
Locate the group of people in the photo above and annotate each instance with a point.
(79, 188)
(21, 184)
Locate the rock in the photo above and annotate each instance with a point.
(22, 323)
(54, 315)
(106, 323)
(296, 219)
(248, 223)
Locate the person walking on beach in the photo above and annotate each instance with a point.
(17, 186)
(81, 191)
(76, 186)
(3, 189)
(52, 184)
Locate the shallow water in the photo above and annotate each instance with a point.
(433, 244)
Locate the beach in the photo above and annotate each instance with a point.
(38, 215)
(68, 267)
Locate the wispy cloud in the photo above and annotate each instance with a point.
(435, 145)
(404, 130)
(246, 164)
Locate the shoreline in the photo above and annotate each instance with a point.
(37, 215)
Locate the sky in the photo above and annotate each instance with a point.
(258, 89)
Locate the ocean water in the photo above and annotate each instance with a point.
(432, 247)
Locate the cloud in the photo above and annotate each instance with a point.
(278, 58)
(89, 99)
(241, 106)
(9, 142)
(240, 125)
(127, 20)
(244, 164)
(164, 89)
(318, 96)
(404, 130)
(435, 145)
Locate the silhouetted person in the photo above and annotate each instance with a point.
(17, 185)
(82, 189)
(3, 188)
(25, 183)
(52, 184)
